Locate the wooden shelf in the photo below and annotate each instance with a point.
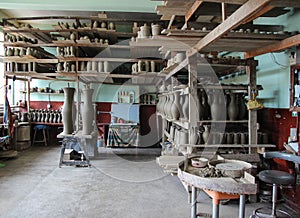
(201, 122)
(229, 146)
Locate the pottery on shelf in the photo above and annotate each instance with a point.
(144, 31)
(185, 107)
(156, 29)
(135, 28)
(217, 105)
(111, 26)
(206, 133)
(67, 110)
(174, 106)
(242, 107)
(106, 66)
(233, 110)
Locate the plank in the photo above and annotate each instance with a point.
(286, 43)
(192, 10)
(238, 17)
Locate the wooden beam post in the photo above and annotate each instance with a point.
(284, 44)
(192, 10)
(238, 17)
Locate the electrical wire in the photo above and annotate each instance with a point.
(276, 62)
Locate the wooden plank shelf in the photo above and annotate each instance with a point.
(202, 122)
(229, 146)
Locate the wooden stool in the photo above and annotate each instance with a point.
(43, 128)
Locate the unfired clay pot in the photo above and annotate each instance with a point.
(67, 111)
(87, 111)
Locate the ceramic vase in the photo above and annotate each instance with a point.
(166, 109)
(87, 111)
(205, 134)
(135, 28)
(233, 110)
(200, 106)
(193, 136)
(67, 110)
(217, 106)
(106, 67)
(242, 107)
(111, 26)
(175, 105)
(205, 105)
(185, 107)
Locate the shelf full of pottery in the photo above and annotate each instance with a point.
(211, 105)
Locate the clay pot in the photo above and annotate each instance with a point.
(59, 67)
(145, 31)
(156, 29)
(67, 110)
(106, 67)
(87, 111)
(233, 110)
(229, 138)
(135, 28)
(100, 66)
(111, 26)
(152, 66)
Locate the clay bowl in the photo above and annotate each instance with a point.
(231, 168)
(199, 162)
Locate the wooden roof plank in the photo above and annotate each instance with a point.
(192, 10)
(238, 17)
(284, 44)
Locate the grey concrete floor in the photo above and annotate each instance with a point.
(118, 184)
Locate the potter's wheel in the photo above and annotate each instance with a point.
(229, 166)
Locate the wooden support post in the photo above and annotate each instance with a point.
(252, 123)
(28, 95)
(193, 98)
(223, 11)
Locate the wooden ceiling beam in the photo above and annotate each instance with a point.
(284, 44)
(250, 8)
(192, 10)
(258, 14)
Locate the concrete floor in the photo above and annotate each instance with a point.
(119, 184)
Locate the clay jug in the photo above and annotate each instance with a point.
(111, 26)
(169, 107)
(242, 107)
(193, 136)
(205, 105)
(175, 106)
(217, 105)
(229, 138)
(135, 28)
(67, 110)
(200, 106)
(100, 66)
(87, 111)
(233, 110)
(205, 133)
(236, 138)
(106, 67)
(166, 106)
(185, 107)
(181, 100)
(145, 31)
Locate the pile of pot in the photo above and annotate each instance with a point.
(45, 116)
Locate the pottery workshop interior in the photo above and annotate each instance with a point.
(150, 108)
